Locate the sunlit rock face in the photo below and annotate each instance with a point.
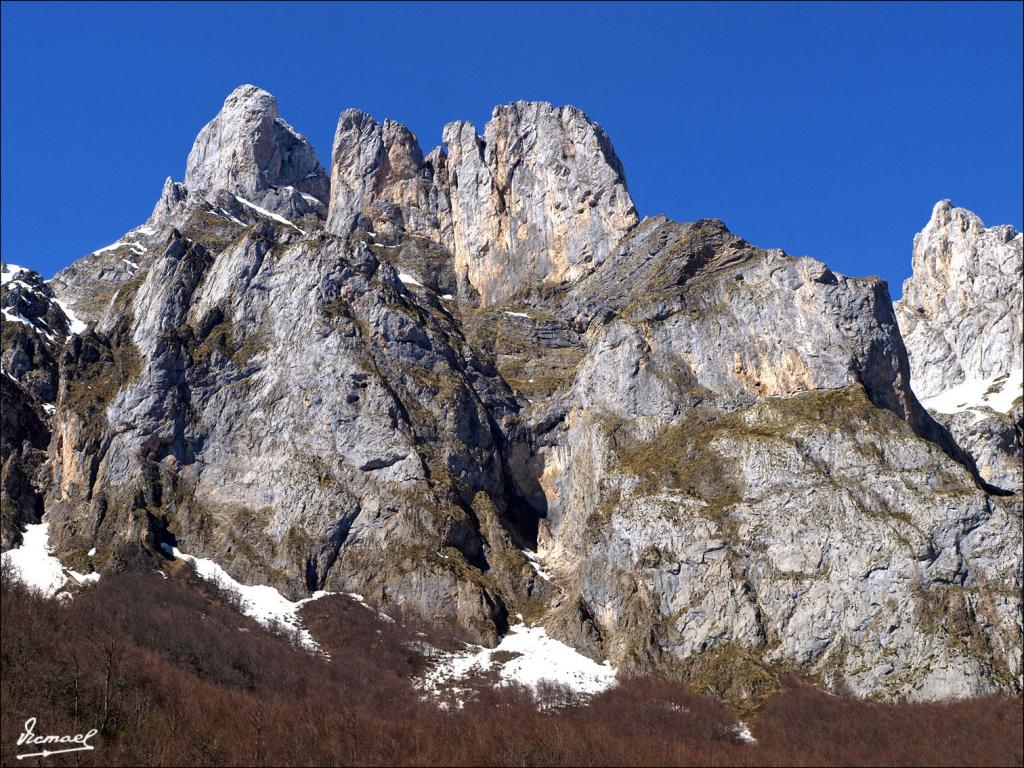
(248, 150)
(961, 309)
(541, 197)
(472, 383)
(961, 319)
(381, 181)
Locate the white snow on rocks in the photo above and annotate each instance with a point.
(227, 215)
(77, 326)
(997, 393)
(742, 733)
(408, 279)
(84, 578)
(32, 562)
(13, 318)
(534, 559)
(519, 314)
(34, 565)
(264, 604)
(539, 658)
(111, 247)
(268, 214)
(10, 272)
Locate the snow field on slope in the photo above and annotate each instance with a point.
(996, 392)
(539, 658)
(264, 604)
(35, 566)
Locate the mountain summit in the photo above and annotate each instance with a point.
(247, 149)
(476, 386)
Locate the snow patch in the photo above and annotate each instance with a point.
(84, 578)
(264, 604)
(111, 247)
(408, 279)
(742, 733)
(34, 564)
(24, 286)
(447, 296)
(77, 326)
(519, 314)
(268, 214)
(229, 217)
(539, 658)
(534, 559)
(49, 408)
(13, 318)
(9, 272)
(996, 392)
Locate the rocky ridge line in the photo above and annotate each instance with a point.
(476, 386)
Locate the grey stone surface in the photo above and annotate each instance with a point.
(714, 449)
(961, 317)
(961, 309)
(33, 331)
(249, 150)
(540, 197)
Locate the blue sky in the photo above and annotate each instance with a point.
(825, 130)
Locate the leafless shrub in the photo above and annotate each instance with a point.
(174, 676)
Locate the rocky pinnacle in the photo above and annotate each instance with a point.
(472, 384)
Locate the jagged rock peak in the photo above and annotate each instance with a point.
(961, 321)
(960, 314)
(248, 148)
(380, 181)
(541, 197)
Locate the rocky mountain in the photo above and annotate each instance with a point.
(35, 327)
(961, 316)
(475, 385)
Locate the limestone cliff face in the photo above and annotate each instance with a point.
(961, 317)
(244, 161)
(540, 198)
(380, 181)
(33, 330)
(961, 309)
(713, 450)
(738, 467)
(249, 150)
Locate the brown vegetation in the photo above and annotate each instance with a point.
(170, 674)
